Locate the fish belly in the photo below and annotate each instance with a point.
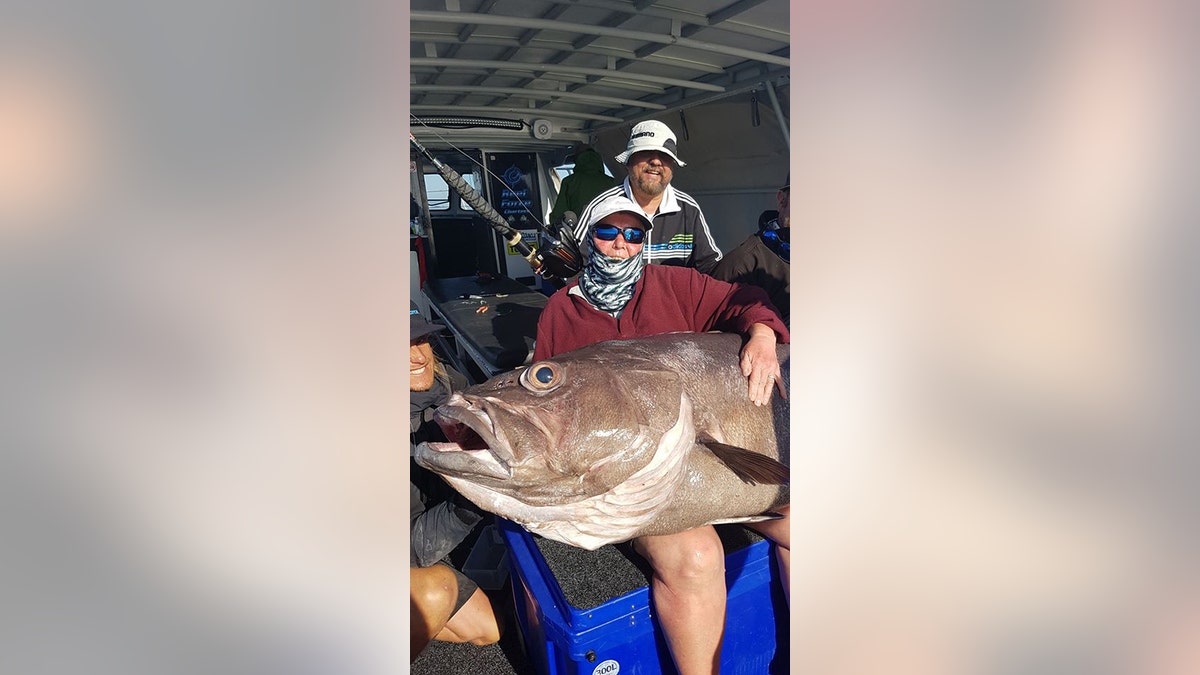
(711, 493)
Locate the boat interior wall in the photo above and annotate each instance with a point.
(465, 246)
(733, 217)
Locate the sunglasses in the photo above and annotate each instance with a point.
(633, 235)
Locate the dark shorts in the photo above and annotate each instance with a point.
(466, 588)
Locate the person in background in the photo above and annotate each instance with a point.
(585, 182)
(618, 296)
(444, 604)
(764, 258)
(681, 235)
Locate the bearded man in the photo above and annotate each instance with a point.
(680, 235)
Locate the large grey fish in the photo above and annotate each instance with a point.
(617, 440)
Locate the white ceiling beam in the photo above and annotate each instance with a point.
(518, 92)
(585, 29)
(561, 45)
(560, 81)
(524, 112)
(685, 104)
(439, 137)
(571, 70)
(694, 19)
(732, 10)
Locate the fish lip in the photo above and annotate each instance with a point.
(486, 461)
(454, 462)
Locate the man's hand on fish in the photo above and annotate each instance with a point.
(760, 365)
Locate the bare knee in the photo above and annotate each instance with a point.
(703, 560)
(435, 596)
(693, 557)
(479, 619)
(434, 589)
(431, 600)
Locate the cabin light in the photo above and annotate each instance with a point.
(468, 122)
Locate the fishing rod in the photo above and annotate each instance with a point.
(558, 257)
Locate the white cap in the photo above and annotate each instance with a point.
(617, 203)
(650, 135)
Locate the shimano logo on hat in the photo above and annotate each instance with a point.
(645, 135)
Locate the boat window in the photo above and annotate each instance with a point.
(438, 192)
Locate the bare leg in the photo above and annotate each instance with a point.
(688, 592)
(432, 592)
(474, 622)
(780, 532)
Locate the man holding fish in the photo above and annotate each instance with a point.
(617, 296)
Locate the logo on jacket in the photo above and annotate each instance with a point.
(681, 241)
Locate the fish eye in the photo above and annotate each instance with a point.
(541, 377)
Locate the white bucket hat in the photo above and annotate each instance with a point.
(650, 135)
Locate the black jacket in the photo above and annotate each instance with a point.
(755, 263)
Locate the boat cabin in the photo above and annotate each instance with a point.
(503, 95)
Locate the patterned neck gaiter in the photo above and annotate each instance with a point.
(608, 283)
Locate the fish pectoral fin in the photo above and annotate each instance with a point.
(769, 515)
(751, 467)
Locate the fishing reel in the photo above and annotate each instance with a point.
(557, 250)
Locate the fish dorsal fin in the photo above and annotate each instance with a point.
(751, 467)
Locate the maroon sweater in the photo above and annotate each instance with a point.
(666, 299)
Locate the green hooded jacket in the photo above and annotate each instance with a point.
(587, 181)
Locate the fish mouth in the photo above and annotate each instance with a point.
(470, 450)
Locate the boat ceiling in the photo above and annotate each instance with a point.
(561, 71)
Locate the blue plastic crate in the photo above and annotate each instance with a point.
(621, 636)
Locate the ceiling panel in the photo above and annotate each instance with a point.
(587, 65)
